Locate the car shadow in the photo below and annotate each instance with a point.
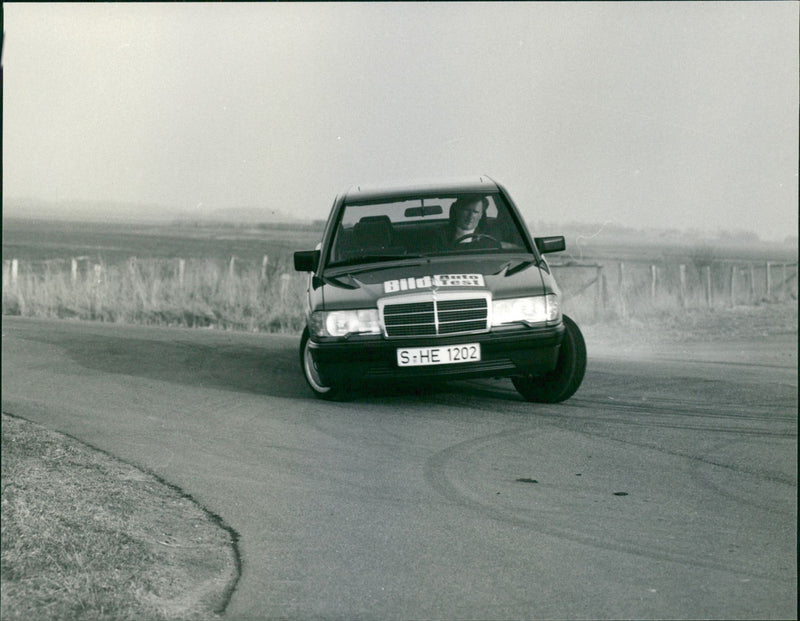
(455, 390)
(272, 369)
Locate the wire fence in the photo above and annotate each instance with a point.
(630, 288)
(268, 295)
(236, 294)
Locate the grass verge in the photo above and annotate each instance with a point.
(87, 536)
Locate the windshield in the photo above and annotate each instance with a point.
(430, 226)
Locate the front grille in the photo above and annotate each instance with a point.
(434, 314)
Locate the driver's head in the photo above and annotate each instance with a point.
(466, 212)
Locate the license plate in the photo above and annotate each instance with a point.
(449, 354)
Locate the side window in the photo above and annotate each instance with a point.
(343, 244)
(506, 227)
(491, 211)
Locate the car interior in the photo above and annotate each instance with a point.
(396, 230)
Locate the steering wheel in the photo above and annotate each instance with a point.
(478, 237)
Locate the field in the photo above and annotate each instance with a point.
(242, 277)
(40, 240)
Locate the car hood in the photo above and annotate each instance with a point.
(503, 277)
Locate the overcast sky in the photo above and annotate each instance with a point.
(675, 115)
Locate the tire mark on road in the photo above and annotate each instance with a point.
(437, 478)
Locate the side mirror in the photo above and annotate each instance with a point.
(306, 260)
(550, 244)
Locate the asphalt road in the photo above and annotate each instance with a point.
(666, 488)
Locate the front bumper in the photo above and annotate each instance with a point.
(504, 352)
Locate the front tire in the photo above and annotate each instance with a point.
(562, 382)
(318, 386)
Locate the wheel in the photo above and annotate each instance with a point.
(311, 373)
(562, 382)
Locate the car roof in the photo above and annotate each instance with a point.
(358, 193)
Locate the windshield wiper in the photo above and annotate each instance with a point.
(373, 258)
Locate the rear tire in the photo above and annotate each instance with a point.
(318, 386)
(562, 382)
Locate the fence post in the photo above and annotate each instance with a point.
(605, 290)
(14, 273)
(709, 300)
(264, 264)
(733, 286)
(73, 271)
(682, 286)
(6, 274)
(284, 286)
(653, 284)
(231, 284)
(785, 285)
(598, 299)
(97, 298)
(752, 283)
(623, 311)
(769, 281)
(181, 271)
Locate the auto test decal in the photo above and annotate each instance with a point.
(428, 282)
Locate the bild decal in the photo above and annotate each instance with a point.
(438, 280)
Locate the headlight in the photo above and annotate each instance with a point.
(342, 323)
(539, 309)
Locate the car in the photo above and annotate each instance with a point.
(406, 287)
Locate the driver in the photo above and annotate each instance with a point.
(467, 218)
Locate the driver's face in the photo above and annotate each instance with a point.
(467, 217)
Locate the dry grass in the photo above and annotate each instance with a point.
(246, 297)
(647, 292)
(742, 323)
(205, 293)
(86, 536)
